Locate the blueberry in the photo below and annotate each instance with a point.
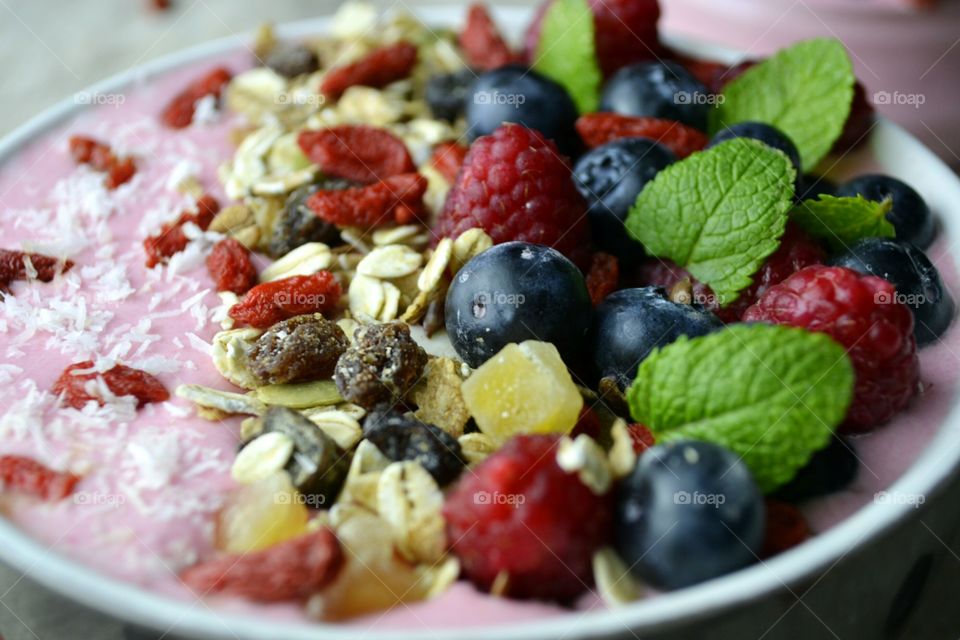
(516, 94)
(917, 281)
(770, 136)
(910, 214)
(657, 89)
(610, 178)
(689, 512)
(630, 323)
(446, 94)
(401, 438)
(514, 292)
(831, 469)
(811, 187)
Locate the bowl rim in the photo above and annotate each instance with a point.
(128, 602)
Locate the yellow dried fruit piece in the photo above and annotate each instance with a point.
(261, 514)
(524, 389)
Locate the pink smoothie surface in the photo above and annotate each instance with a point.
(154, 479)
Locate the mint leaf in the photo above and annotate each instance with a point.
(805, 91)
(843, 221)
(567, 52)
(718, 213)
(771, 394)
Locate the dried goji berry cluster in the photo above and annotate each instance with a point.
(100, 157)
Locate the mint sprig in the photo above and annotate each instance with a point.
(806, 91)
(843, 221)
(719, 213)
(567, 52)
(771, 394)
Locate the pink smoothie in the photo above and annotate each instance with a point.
(153, 479)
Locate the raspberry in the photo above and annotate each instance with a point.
(515, 185)
(862, 314)
(120, 380)
(518, 513)
(13, 266)
(179, 112)
(626, 32)
(377, 69)
(483, 46)
(271, 302)
(786, 528)
(397, 199)
(447, 158)
(290, 570)
(641, 436)
(597, 129)
(172, 239)
(357, 152)
(603, 276)
(101, 158)
(796, 251)
(859, 122)
(31, 477)
(230, 267)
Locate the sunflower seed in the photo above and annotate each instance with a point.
(225, 401)
(622, 456)
(230, 351)
(305, 260)
(262, 457)
(588, 460)
(614, 582)
(392, 261)
(409, 499)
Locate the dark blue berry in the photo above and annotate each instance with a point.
(446, 94)
(770, 136)
(610, 178)
(917, 281)
(514, 292)
(659, 90)
(811, 187)
(831, 469)
(910, 214)
(630, 323)
(689, 512)
(518, 95)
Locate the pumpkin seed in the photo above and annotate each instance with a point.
(302, 395)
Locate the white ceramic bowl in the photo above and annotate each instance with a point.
(745, 604)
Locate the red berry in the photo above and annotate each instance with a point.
(13, 266)
(519, 514)
(588, 423)
(291, 570)
(230, 267)
(101, 158)
(120, 380)
(120, 173)
(357, 152)
(399, 199)
(269, 303)
(483, 46)
(515, 185)
(603, 276)
(377, 69)
(597, 129)
(641, 436)
(29, 476)
(172, 239)
(862, 314)
(448, 158)
(714, 75)
(179, 111)
(786, 528)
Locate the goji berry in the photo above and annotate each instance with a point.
(121, 380)
(603, 276)
(447, 158)
(269, 303)
(230, 267)
(393, 199)
(101, 158)
(13, 266)
(357, 152)
(786, 528)
(29, 476)
(172, 239)
(641, 436)
(588, 423)
(483, 46)
(290, 570)
(120, 173)
(377, 69)
(597, 129)
(179, 111)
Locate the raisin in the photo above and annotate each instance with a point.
(179, 112)
(120, 380)
(603, 276)
(401, 438)
(230, 267)
(396, 199)
(435, 318)
(30, 477)
(357, 152)
(381, 366)
(446, 94)
(377, 69)
(172, 239)
(483, 46)
(13, 266)
(597, 129)
(291, 570)
(269, 303)
(303, 348)
(447, 158)
(101, 158)
(298, 224)
(785, 528)
(588, 424)
(292, 60)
